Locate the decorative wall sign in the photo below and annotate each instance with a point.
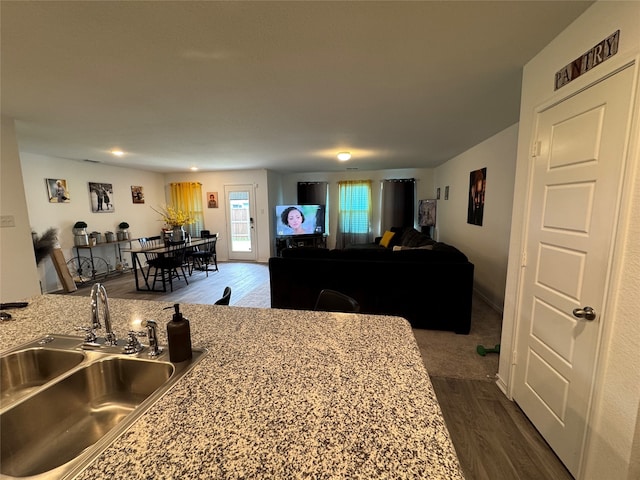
(57, 190)
(477, 186)
(136, 194)
(604, 50)
(101, 196)
(212, 199)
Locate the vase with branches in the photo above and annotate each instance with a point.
(176, 218)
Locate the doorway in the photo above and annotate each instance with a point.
(240, 212)
(575, 190)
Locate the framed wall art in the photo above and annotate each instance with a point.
(212, 199)
(477, 187)
(427, 213)
(101, 197)
(137, 195)
(57, 190)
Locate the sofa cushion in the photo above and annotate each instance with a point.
(410, 237)
(305, 252)
(386, 238)
(361, 253)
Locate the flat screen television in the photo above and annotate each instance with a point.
(300, 220)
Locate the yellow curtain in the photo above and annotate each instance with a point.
(187, 196)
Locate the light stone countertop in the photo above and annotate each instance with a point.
(282, 394)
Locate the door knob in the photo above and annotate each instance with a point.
(587, 313)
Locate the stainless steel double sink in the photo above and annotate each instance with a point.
(61, 404)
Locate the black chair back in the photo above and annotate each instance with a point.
(226, 297)
(332, 301)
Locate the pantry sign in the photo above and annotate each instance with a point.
(604, 50)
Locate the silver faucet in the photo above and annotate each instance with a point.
(98, 290)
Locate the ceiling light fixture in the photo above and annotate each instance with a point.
(117, 153)
(344, 156)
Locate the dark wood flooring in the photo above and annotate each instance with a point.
(493, 438)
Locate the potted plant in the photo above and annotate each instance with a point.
(176, 219)
(123, 233)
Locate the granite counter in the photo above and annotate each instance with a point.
(281, 394)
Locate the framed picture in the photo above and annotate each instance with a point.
(477, 186)
(446, 192)
(137, 196)
(57, 190)
(212, 199)
(101, 197)
(427, 213)
(438, 193)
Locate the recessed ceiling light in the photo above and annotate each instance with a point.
(194, 169)
(344, 156)
(117, 153)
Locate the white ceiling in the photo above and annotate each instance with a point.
(278, 85)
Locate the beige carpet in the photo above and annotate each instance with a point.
(445, 354)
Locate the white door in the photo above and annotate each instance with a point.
(240, 209)
(575, 190)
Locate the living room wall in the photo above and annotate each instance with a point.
(142, 219)
(486, 246)
(424, 187)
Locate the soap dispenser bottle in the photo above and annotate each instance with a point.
(179, 337)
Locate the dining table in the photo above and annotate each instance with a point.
(140, 254)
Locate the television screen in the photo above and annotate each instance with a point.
(299, 219)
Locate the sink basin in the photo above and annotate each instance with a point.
(55, 429)
(23, 371)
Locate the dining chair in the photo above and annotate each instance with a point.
(150, 242)
(169, 265)
(332, 301)
(205, 256)
(226, 297)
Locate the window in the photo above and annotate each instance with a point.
(187, 196)
(354, 213)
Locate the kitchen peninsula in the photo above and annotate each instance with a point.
(282, 394)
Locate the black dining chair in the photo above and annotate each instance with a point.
(203, 257)
(149, 242)
(332, 301)
(169, 265)
(226, 297)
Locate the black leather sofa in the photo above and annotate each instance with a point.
(430, 286)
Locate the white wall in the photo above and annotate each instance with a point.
(215, 218)
(486, 246)
(142, 219)
(18, 277)
(613, 443)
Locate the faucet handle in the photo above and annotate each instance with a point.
(133, 344)
(89, 334)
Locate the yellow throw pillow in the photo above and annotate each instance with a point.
(386, 238)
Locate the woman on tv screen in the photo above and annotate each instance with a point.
(293, 218)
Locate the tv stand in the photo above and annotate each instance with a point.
(318, 240)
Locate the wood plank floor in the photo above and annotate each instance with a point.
(243, 277)
(493, 438)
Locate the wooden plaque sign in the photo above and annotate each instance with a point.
(604, 50)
